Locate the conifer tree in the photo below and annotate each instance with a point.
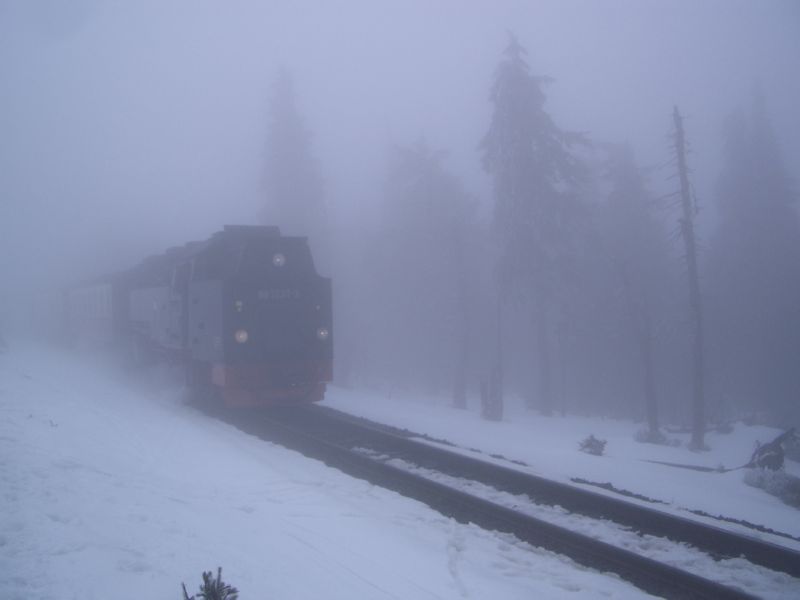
(294, 198)
(754, 272)
(533, 171)
(687, 228)
(423, 249)
(636, 245)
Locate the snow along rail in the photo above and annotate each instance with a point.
(325, 435)
(715, 540)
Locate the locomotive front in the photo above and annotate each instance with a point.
(258, 318)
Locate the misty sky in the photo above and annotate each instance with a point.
(127, 127)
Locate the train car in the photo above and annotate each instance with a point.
(91, 314)
(245, 312)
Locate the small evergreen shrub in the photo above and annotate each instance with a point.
(591, 445)
(213, 588)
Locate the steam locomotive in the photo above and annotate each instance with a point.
(245, 313)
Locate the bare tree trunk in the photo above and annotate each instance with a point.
(562, 332)
(543, 351)
(492, 390)
(460, 380)
(690, 244)
(498, 371)
(651, 400)
(463, 336)
(642, 325)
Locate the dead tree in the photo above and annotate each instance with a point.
(686, 221)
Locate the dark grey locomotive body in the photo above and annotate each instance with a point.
(245, 312)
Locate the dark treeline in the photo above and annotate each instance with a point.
(573, 291)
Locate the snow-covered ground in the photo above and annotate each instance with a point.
(108, 490)
(115, 489)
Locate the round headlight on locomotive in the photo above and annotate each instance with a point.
(323, 333)
(241, 336)
(278, 259)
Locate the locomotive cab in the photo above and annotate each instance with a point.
(257, 318)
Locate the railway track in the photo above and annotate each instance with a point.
(719, 542)
(394, 460)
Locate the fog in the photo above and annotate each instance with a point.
(129, 127)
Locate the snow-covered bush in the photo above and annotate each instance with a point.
(591, 445)
(778, 483)
(792, 448)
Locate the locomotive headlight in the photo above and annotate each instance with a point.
(278, 260)
(240, 336)
(323, 333)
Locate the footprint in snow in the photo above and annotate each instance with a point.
(133, 566)
(56, 518)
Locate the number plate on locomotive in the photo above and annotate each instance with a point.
(279, 294)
